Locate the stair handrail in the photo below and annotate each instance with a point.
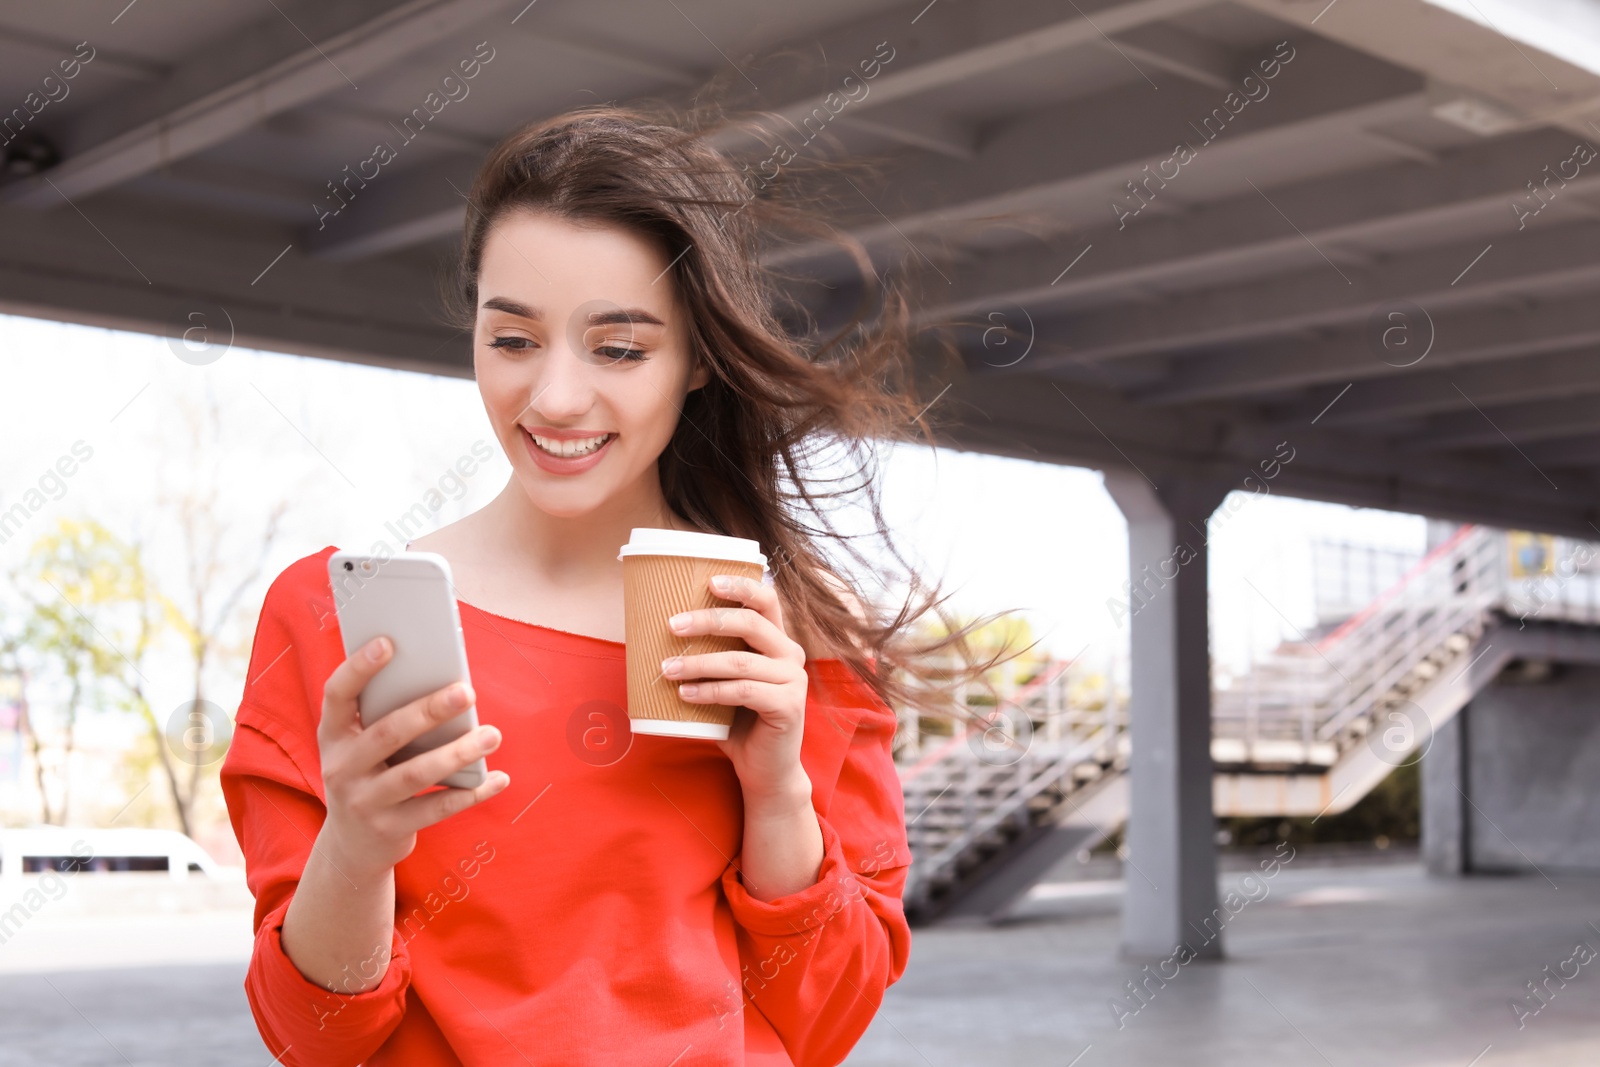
(1311, 690)
(1365, 656)
(1339, 632)
(1043, 775)
(1473, 560)
(1055, 669)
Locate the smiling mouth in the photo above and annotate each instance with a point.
(570, 449)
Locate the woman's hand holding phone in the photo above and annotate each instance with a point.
(374, 811)
(340, 922)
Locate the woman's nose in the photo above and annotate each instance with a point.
(562, 390)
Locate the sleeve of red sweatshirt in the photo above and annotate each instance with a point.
(816, 963)
(271, 781)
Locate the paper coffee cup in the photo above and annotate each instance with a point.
(665, 572)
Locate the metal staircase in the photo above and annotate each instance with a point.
(981, 790)
(1309, 730)
(1347, 698)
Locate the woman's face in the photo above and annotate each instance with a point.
(579, 342)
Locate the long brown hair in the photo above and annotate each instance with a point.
(778, 398)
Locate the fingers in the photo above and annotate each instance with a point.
(735, 664)
(407, 779)
(735, 692)
(341, 693)
(763, 633)
(403, 725)
(757, 596)
(761, 677)
(424, 811)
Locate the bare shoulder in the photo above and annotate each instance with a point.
(447, 537)
(849, 599)
(845, 594)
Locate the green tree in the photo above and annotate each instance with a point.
(201, 621)
(71, 581)
(1009, 631)
(95, 614)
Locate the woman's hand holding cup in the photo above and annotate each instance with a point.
(769, 679)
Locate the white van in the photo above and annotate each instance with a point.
(63, 848)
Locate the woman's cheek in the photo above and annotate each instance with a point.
(650, 414)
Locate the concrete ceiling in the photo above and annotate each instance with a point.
(1385, 256)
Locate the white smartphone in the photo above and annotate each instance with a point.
(410, 599)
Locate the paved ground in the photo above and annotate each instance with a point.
(128, 970)
(143, 1016)
(1346, 967)
(1343, 966)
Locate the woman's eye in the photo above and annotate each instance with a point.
(613, 353)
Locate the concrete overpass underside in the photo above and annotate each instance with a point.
(1347, 248)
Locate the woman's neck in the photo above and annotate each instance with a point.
(573, 550)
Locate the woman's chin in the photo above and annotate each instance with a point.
(561, 501)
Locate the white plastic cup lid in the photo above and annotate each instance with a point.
(650, 541)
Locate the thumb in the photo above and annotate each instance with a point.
(341, 695)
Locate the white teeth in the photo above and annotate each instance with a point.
(570, 449)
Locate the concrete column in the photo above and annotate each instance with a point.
(1445, 816)
(1533, 761)
(1171, 872)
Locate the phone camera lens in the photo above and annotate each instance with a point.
(349, 566)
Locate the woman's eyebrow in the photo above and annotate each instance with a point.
(629, 316)
(511, 307)
(623, 315)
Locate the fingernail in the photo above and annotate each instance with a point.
(376, 649)
(460, 697)
(722, 582)
(488, 738)
(688, 690)
(671, 664)
(678, 622)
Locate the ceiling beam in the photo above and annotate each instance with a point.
(1168, 48)
(147, 266)
(227, 86)
(1287, 301)
(1460, 336)
(931, 47)
(1029, 418)
(426, 202)
(117, 64)
(930, 131)
(622, 57)
(1575, 454)
(1493, 427)
(1524, 81)
(945, 46)
(203, 182)
(1402, 395)
(1243, 235)
(1029, 167)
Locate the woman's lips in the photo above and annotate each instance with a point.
(563, 464)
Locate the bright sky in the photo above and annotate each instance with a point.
(350, 447)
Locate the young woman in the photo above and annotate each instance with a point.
(602, 898)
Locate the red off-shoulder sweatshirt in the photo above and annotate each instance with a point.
(593, 912)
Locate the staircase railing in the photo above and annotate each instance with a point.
(1305, 704)
(1315, 692)
(1026, 696)
(979, 787)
